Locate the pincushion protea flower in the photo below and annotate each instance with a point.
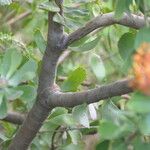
(141, 69)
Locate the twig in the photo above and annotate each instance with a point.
(53, 138)
(14, 117)
(17, 18)
(63, 56)
(131, 137)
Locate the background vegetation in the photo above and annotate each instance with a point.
(103, 56)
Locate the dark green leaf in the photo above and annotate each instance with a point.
(103, 145)
(126, 45)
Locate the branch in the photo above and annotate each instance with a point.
(15, 118)
(129, 20)
(72, 99)
(21, 16)
(47, 98)
(64, 55)
(40, 109)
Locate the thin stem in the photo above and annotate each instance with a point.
(53, 138)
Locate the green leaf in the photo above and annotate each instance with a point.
(57, 111)
(80, 114)
(49, 6)
(126, 45)
(96, 10)
(5, 2)
(144, 124)
(26, 72)
(121, 7)
(79, 42)
(103, 145)
(110, 112)
(74, 80)
(59, 116)
(142, 36)
(40, 41)
(126, 49)
(87, 46)
(64, 119)
(75, 136)
(97, 66)
(14, 64)
(59, 19)
(3, 106)
(143, 5)
(139, 103)
(108, 130)
(73, 147)
(139, 144)
(6, 62)
(28, 92)
(12, 94)
(140, 4)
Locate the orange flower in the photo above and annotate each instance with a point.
(141, 69)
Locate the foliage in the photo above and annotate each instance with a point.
(100, 57)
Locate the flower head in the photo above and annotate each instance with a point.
(141, 69)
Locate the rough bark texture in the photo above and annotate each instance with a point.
(72, 99)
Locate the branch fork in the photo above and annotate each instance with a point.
(49, 96)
